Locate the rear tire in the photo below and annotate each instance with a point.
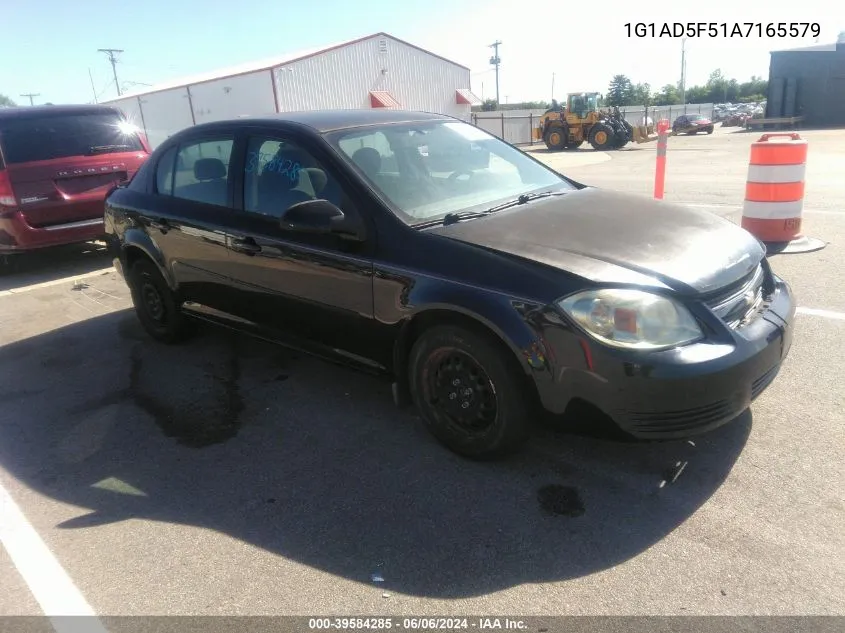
(156, 305)
(471, 399)
(557, 137)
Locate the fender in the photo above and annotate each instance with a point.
(509, 318)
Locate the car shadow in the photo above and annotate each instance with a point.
(44, 265)
(314, 463)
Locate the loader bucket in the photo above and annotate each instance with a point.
(641, 135)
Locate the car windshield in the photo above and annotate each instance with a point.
(695, 117)
(44, 137)
(428, 170)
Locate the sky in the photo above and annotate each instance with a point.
(548, 48)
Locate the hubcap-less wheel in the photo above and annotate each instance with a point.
(459, 388)
(601, 137)
(554, 138)
(153, 302)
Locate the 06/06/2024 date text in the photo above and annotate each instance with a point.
(723, 29)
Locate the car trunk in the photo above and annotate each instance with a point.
(61, 167)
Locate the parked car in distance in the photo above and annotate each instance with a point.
(485, 287)
(692, 124)
(56, 165)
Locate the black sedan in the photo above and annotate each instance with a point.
(480, 282)
(692, 124)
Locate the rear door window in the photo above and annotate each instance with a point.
(201, 172)
(45, 137)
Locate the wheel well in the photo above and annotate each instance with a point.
(435, 318)
(132, 254)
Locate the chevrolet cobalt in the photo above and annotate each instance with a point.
(480, 282)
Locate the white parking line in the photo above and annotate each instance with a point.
(55, 282)
(49, 583)
(825, 314)
(734, 207)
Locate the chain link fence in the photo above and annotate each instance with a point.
(515, 126)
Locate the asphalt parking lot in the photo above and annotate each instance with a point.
(226, 476)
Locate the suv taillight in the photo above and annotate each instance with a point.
(7, 194)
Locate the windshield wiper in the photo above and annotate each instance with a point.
(452, 218)
(526, 197)
(100, 149)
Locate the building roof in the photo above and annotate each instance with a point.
(816, 47)
(265, 64)
(57, 110)
(331, 120)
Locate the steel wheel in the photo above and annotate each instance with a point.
(459, 389)
(155, 303)
(470, 392)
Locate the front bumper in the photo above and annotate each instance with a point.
(680, 392)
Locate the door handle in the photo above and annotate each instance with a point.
(245, 245)
(161, 224)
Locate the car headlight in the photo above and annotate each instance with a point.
(632, 319)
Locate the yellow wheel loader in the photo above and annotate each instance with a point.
(583, 119)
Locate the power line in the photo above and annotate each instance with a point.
(93, 89)
(111, 53)
(31, 96)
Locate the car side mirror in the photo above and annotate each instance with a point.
(322, 217)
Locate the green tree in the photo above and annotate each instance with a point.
(668, 95)
(6, 102)
(489, 105)
(641, 95)
(620, 91)
(756, 86)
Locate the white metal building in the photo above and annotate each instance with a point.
(377, 71)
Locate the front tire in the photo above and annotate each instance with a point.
(155, 304)
(602, 137)
(470, 397)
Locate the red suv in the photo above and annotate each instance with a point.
(57, 163)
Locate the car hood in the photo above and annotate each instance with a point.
(609, 237)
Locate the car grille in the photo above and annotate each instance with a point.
(657, 422)
(741, 302)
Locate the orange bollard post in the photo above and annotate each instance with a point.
(660, 168)
(774, 194)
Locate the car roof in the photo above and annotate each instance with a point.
(322, 121)
(25, 112)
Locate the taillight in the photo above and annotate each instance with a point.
(7, 194)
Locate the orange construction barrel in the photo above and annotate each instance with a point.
(774, 193)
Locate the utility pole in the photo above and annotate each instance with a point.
(683, 71)
(495, 61)
(111, 53)
(31, 95)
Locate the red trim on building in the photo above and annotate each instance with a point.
(383, 99)
(464, 96)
